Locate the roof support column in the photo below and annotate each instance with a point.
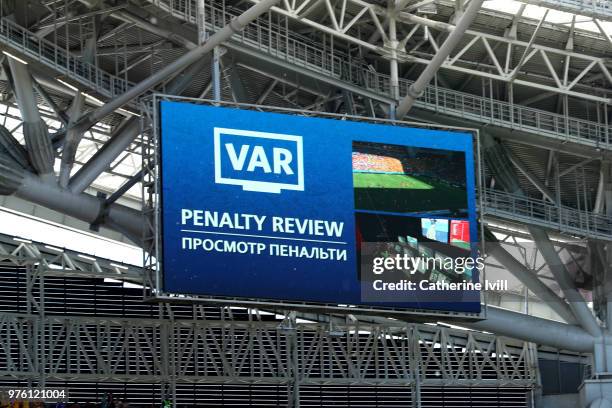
(529, 279)
(216, 74)
(504, 173)
(608, 289)
(84, 207)
(603, 255)
(73, 133)
(501, 322)
(393, 63)
(38, 143)
(534, 329)
(418, 87)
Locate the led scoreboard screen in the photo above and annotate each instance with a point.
(282, 208)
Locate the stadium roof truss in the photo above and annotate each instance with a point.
(538, 91)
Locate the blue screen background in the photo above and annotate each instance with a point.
(188, 181)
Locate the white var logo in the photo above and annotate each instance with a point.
(250, 159)
(281, 159)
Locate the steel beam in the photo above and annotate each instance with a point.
(65, 262)
(179, 64)
(603, 31)
(35, 131)
(418, 87)
(215, 79)
(598, 9)
(502, 168)
(531, 177)
(506, 323)
(131, 18)
(534, 329)
(529, 279)
(509, 71)
(12, 149)
(125, 136)
(74, 133)
(61, 115)
(393, 63)
(83, 206)
(11, 176)
(103, 158)
(303, 70)
(269, 88)
(589, 136)
(576, 301)
(125, 187)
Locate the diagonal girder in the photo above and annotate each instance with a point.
(498, 161)
(38, 143)
(601, 9)
(418, 87)
(125, 136)
(304, 58)
(234, 26)
(458, 65)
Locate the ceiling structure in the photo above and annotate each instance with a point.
(538, 89)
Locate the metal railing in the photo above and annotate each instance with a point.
(269, 38)
(197, 344)
(277, 42)
(60, 60)
(539, 212)
(248, 352)
(516, 117)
